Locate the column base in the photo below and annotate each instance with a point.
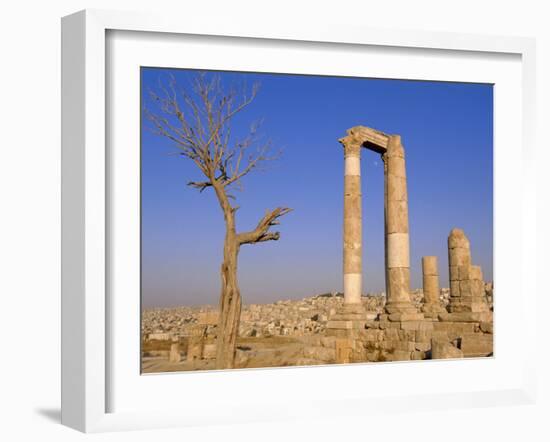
(353, 312)
(402, 317)
(433, 310)
(400, 307)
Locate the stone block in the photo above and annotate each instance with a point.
(440, 335)
(423, 346)
(341, 325)
(478, 289)
(432, 310)
(445, 350)
(459, 257)
(386, 325)
(466, 317)
(406, 317)
(464, 272)
(418, 355)
(423, 336)
(455, 327)
(476, 344)
(391, 334)
(337, 333)
(486, 327)
(466, 288)
(407, 335)
(411, 325)
(372, 324)
(320, 353)
(373, 335)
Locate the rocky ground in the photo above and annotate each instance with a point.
(290, 332)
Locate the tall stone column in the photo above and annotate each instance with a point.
(350, 318)
(397, 229)
(352, 221)
(430, 284)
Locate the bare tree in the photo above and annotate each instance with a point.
(198, 121)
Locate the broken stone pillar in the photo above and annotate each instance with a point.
(466, 280)
(430, 283)
(175, 355)
(397, 230)
(352, 221)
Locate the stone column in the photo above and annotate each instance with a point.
(352, 221)
(397, 229)
(467, 287)
(430, 283)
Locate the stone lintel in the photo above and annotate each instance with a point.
(368, 138)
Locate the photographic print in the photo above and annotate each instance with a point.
(300, 220)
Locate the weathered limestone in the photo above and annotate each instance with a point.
(445, 350)
(352, 315)
(397, 230)
(466, 280)
(476, 344)
(430, 282)
(352, 220)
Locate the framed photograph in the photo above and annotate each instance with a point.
(260, 220)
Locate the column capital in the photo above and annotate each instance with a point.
(352, 145)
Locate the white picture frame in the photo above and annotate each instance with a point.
(86, 202)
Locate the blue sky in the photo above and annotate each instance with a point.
(447, 132)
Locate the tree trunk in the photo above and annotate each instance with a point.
(230, 304)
